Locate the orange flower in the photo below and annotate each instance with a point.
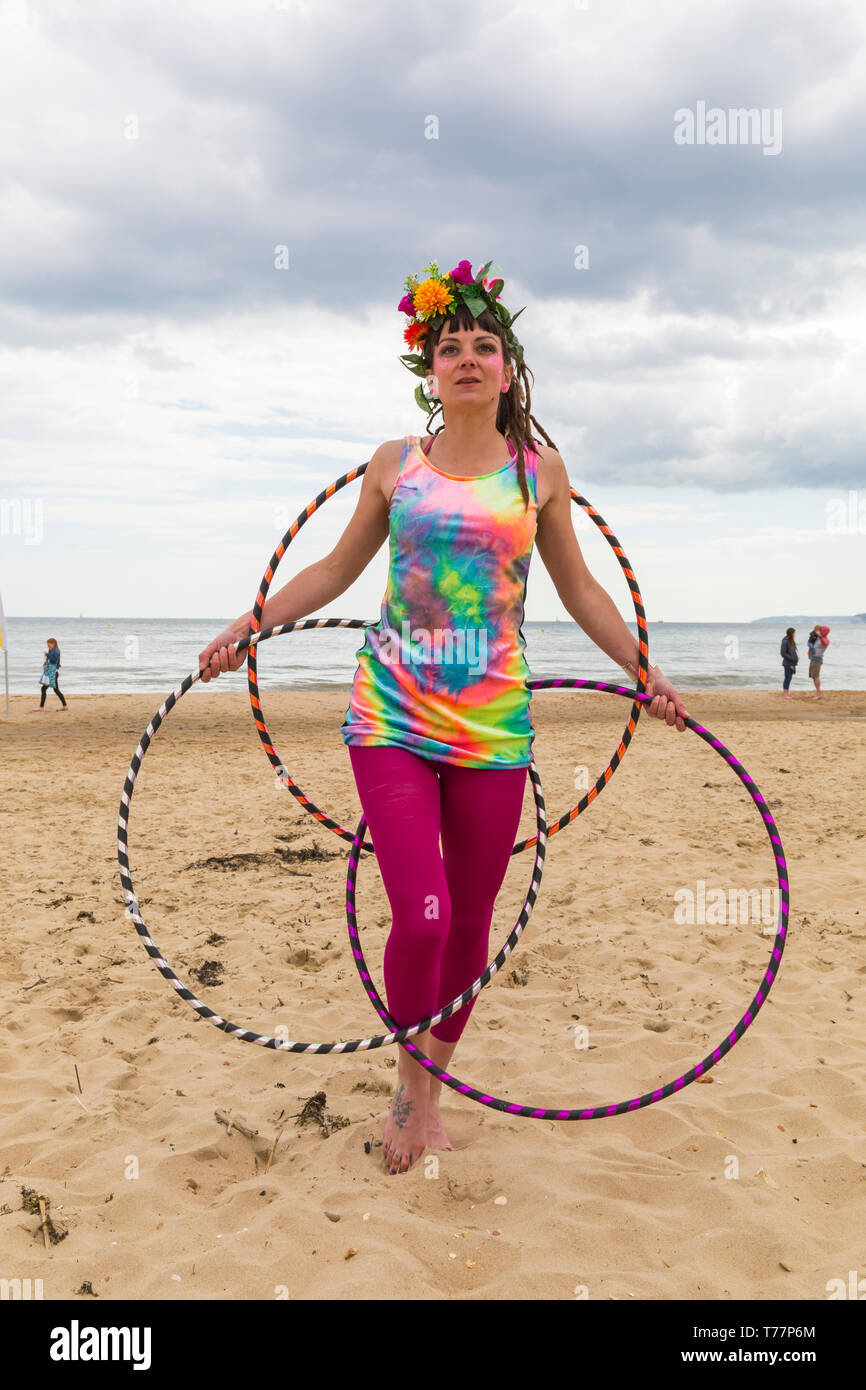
(432, 297)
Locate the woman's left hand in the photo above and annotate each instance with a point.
(667, 703)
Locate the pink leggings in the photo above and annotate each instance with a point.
(441, 901)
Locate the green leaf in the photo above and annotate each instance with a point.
(482, 272)
(496, 288)
(422, 400)
(517, 315)
(414, 364)
(475, 304)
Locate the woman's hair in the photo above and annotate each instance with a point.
(513, 414)
(52, 641)
(789, 632)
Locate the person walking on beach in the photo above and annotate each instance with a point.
(49, 679)
(441, 744)
(790, 658)
(816, 661)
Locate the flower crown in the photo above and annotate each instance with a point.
(431, 302)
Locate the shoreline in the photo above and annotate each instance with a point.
(347, 685)
(733, 701)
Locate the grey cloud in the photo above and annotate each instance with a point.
(304, 124)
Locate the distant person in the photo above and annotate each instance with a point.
(790, 657)
(812, 639)
(819, 646)
(49, 678)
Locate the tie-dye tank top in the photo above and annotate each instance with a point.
(443, 672)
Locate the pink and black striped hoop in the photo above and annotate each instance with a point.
(597, 1112)
(255, 696)
(247, 1034)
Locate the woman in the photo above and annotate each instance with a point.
(441, 743)
(49, 679)
(819, 646)
(790, 657)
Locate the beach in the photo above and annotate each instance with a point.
(169, 1154)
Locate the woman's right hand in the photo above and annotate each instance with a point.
(220, 655)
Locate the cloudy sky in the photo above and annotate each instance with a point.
(208, 209)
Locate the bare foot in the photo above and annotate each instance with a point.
(405, 1136)
(436, 1136)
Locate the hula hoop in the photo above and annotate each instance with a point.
(597, 1112)
(247, 1034)
(255, 697)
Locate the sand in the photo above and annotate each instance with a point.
(153, 1158)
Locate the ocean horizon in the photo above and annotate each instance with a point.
(129, 655)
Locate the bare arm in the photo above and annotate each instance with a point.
(590, 605)
(321, 582)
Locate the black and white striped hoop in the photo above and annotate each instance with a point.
(235, 1030)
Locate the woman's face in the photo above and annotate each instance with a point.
(469, 366)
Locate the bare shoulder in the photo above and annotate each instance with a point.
(369, 524)
(552, 474)
(384, 467)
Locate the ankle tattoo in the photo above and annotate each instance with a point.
(401, 1109)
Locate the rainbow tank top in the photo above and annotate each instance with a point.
(443, 672)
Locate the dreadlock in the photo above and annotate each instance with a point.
(513, 415)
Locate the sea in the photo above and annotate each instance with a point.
(125, 655)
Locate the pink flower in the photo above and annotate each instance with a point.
(406, 305)
(462, 273)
